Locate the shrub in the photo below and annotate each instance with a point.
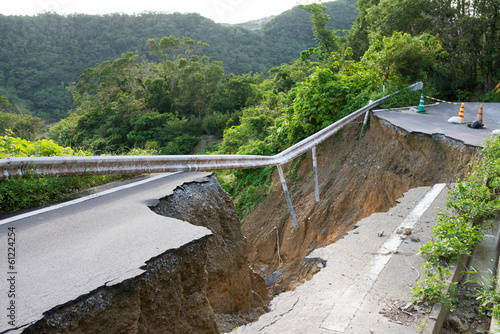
(453, 237)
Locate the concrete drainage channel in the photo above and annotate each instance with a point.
(484, 262)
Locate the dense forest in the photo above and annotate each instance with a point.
(162, 97)
(41, 55)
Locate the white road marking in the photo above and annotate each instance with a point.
(82, 199)
(349, 303)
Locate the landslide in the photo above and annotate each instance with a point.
(358, 176)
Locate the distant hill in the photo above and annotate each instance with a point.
(255, 24)
(40, 55)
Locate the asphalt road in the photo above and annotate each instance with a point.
(63, 253)
(435, 121)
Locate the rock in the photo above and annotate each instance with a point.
(415, 238)
(407, 307)
(406, 231)
(380, 234)
(459, 325)
(271, 279)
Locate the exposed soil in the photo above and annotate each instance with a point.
(466, 317)
(206, 286)
(209, 286)
(358, 176)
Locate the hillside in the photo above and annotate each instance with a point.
(358, 176)
(42, 54)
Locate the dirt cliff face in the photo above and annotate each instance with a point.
(236, 294)
(358, 175)
(203, 287)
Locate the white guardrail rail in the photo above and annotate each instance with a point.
(123, 165)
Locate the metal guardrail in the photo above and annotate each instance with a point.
(123, 165)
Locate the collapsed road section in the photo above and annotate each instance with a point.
(110, 264)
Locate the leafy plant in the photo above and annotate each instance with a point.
(453, 237)
(474, 200)
(32, 190)
(435, 288)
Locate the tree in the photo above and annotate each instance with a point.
(197, 84)
(233, 93)
(4, 103)
(402, 56)
(174, 54)
(327, 39)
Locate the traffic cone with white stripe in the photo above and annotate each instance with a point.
(458, 119)
(421, 107)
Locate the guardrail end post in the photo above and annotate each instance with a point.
(287, 196)
(315, 168)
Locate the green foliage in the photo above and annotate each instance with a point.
(23, 126)
(248, 199)
(292, 112)
(474, 200)
(287, 76)
(324, 98)
(402, 56)
(15, 147)
(327, 39)
(130, 102)
(405, 97)
(468, 32)
(215, 123)
(234, 93)
(486, 293)
(453, 237)
(31, 191)
(478, 196)
(4, 102)
(183, 144)
(252, 128)
(41, 55)
(435, 287)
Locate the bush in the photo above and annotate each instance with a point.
(215, 124)
(181, 145)
(32, 190)
(15, 147)
(435, 288)
(453, 237)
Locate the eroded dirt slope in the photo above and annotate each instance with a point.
(358, 175)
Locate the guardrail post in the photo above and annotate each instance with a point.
(366, 118)
(287, 196)
(315, 168)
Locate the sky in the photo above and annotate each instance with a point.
(221, 11)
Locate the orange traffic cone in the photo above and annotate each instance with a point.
(478, 123)
(480, 114)
(458, 119)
